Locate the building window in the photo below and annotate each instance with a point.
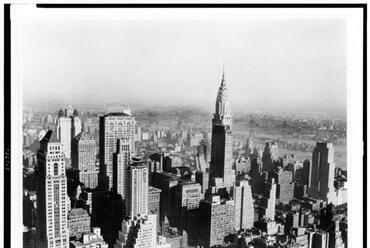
(55, 169)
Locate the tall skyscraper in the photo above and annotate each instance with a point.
(270, 155)
(244, 210)
(84, 151)
(322, 172)
(113, 126)
(52, 198)
(269, 200)
(137, 189)
(222, 141)
(68, 126)
(139, 229)
(121, 162)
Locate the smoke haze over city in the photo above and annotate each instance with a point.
(269, 64)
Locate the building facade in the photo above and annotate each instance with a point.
(84, 150)
(68, 126)
(217, 220)
(270, 155)
(52, 198)
(79, 222)
(138, 232)
(90, 240)
(113, 126)
(137, 202)
(121, 162)
(244, 210)
(322, 173)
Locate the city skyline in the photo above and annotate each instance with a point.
(269, 64)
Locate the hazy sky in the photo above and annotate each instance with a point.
(269, 63)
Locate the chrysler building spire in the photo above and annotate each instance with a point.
(222, 111)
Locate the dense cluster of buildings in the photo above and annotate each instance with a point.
(103, 193)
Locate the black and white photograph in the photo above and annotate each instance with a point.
(234, 126)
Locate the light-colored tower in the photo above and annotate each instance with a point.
(138, 189)
(113, 126)
(68, 126)
(222, 141)
(84, 151)
(322, 172)
(270, 196)
(52, 198)
(64, 133)
(244, 210)
(121, 162)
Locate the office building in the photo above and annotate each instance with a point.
(188, 195)
(335, 236)
(291, 221)
(137, 200)
(112, 127)
(84, 150)
(138, 232)
(270, 156)
(322, 173)
(269, 200)
(52, 198)
(68, 126)
(320, 239)
(285, 185)
(202, 177)
(90, 240)
(79, 222)
(222, 141)
(216, 219)
(244, 210)
(121, 162)
(154, 200)
(203, 155)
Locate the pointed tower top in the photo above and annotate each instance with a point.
(223, 74)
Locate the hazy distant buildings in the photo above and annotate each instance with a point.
(84, 151)
(249, 146)
(222, 142)
(322, 173)
(68, 126)
(113, 126)
(52, 198)
(270, 155)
